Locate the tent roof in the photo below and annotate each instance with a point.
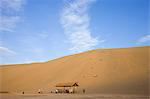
(68, 84)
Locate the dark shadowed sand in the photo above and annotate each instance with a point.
(70, 96)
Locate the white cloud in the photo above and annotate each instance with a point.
(35, 43)
(8, 23)
(76, 21)
(4, 50)
(37, 50)
(42, 34)
(144, 39)
(9, 16)
(11, 5)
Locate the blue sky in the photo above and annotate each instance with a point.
(41, 30)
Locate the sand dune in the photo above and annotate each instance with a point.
(118, 71)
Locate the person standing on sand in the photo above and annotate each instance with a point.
(83, 90)
(39, 91)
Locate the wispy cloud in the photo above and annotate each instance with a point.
(42, 34)
(9, 16)
(35, 43)
(144, 39)
(6, 51)
(15, 5)
(8, 23)
(76, 23)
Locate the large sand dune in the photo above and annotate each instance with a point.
(118, 71)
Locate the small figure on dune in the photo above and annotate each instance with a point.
(23, 92)
(39, 91)
(83, 90)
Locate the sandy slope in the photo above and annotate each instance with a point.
(116, 71)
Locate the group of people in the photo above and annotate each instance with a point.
(40, 92)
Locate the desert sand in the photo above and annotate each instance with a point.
(72, 96)
(104, 71)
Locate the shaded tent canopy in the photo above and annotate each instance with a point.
(69, 84)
